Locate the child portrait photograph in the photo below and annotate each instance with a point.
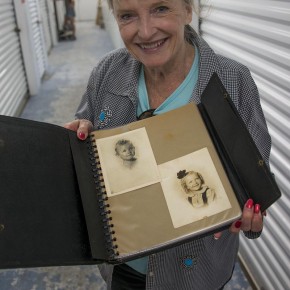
(192, 188)
(127, 162)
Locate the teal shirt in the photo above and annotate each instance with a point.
(178, 98)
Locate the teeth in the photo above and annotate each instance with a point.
(151, 45)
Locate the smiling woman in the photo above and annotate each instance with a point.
(165, 65)
(154, 33)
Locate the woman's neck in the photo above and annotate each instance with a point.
(162, 82)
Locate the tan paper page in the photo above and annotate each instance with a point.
(149, 206)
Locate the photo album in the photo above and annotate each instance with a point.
(126, 192)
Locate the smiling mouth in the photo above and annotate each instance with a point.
(152, 45)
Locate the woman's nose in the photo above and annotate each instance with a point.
(146, 28)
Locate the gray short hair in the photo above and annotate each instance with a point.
(188, 30)
(187, 2)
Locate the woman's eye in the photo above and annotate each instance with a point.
(161, 9)
(125, 17)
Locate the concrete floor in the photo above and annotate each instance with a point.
(69, 66)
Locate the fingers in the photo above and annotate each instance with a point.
(236, 227)
(247, 216)
(82, 127)
(257, 220)
(216, 236)
(85, 127)
(251, 220)
(72, 125)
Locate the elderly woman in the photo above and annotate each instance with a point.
(163, 66)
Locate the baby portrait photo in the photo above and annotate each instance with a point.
(192, 188)
(127, 162)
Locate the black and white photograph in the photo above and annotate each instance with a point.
(192, 188)
(127, 162)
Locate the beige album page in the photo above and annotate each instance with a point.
(164, 181)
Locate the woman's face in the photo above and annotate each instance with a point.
(153, 30)
(193, 182)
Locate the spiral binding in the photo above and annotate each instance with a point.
(102, 199)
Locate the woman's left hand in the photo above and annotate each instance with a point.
(251, 220)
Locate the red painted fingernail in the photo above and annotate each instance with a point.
(82, 135)
(238, 224)
(257, 208)
(249, 203)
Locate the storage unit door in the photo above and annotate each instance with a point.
(13, 84)
(257, 34)
(60, 13)
(46, 25)
(38, 35)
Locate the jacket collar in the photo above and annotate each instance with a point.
(128, 80)
(207, 66)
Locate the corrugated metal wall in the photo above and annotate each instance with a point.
(13, 84)
(44, 18)
(257, 33)
(60, 12)
(38, 35)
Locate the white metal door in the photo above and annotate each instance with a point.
(60, 13)
(13, 84)
(38, 36)
(45, 24)
(52, 21)
(257, 33)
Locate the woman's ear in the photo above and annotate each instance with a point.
(188, 17)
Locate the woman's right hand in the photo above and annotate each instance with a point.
(81, 126)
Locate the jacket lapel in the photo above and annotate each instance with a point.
(208, 64)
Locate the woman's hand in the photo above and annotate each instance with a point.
(251, 220)
(81, 126)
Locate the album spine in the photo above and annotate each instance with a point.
(103, 201)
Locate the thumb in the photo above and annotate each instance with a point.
(216, 236)
(236, 227)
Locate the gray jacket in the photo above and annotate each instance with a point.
(111, 100)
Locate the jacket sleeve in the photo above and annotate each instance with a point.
(87, 107)
(251, 112)
(244, 93)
